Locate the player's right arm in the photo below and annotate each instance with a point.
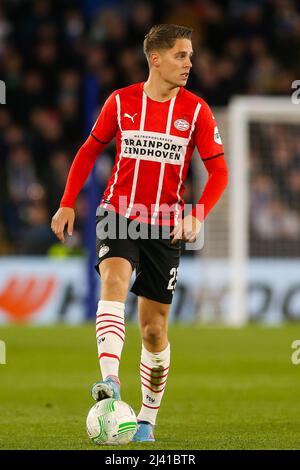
(102, 133)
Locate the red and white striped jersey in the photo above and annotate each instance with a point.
(154, 145)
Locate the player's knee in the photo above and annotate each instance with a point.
(153, 333)
(114, 282)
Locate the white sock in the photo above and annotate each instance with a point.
(154, 369)
(110, 334)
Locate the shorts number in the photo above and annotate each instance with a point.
(173, 280)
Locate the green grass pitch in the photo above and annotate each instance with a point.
(227, 389)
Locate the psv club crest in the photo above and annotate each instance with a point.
(181, 124)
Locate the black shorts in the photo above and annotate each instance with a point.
(153, 257)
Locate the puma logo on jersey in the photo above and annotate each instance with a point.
(130, 117)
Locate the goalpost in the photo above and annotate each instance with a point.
(242, 112)
(248, 265)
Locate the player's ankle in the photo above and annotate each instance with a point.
(115, 378)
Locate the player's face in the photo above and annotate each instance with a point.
(175, 64)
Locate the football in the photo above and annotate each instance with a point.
(111, 422)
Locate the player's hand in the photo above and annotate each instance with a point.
(187, 230)
(64, 216)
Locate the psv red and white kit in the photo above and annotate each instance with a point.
(154, 145)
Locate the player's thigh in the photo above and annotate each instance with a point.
(110, 244)
(115, 278)
(116, 259)
(115, 267)
(157, 270)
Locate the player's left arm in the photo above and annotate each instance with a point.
(209, 145)
(102, 133)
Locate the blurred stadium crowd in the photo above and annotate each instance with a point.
(47, 48)
(275, 189)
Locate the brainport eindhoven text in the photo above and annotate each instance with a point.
(150, 148)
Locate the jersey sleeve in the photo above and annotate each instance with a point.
(217, 181)
(209, 145)
(105, 127)
(102, 133)
(81, 167)
(207, 137)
